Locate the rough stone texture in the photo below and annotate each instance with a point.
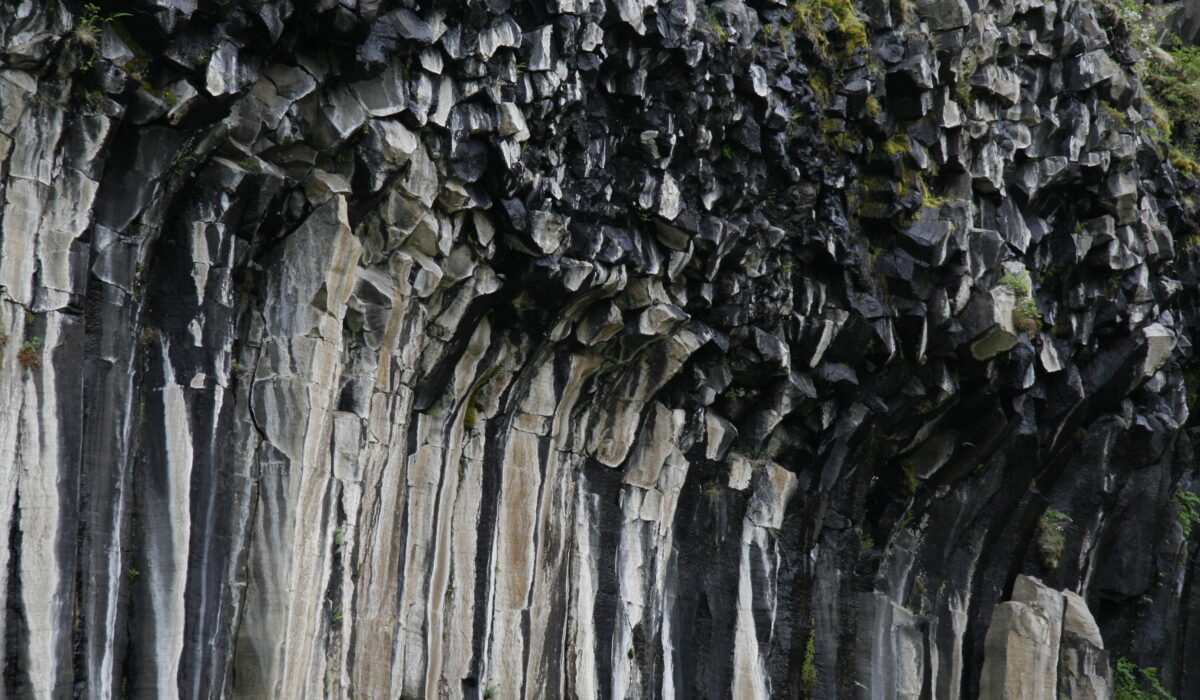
(1044, 644)
(571, 349)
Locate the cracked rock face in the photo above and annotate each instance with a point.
(572, 349)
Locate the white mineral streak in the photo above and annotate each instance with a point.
(774, 487)
(581, 658)
(38, 444)
(207, 528)
(442, 552)
(748, 678)
(546, 600)
(35, 130)
(654, 474)
(293, 395)
(46, 206)
(515, 553)
(169, 560)
(12, 416)
(101, 675)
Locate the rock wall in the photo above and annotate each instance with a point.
(572, 349)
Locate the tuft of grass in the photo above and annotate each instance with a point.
(717, 28)
(1025, 316)
(87, 32)
(808, 671)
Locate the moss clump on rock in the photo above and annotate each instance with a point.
(810, 17)
(1052, 536)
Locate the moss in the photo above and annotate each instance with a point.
(1159, 120)
(1117, 116)
(330, 677)
(30, 355)
(897, 144)
(962, 86)
(1174, 82)
(930, 199)
(1188, 504)
(711, 488)
(820, 89)
(717, 28)
(873, 107)
(1112, 284)
(1052, 536)
(809, 16)
(910, 475)
(1169, 70)
(1184, 162)
(844, 142)
(866, 544)
(444, 402)
(471, 411)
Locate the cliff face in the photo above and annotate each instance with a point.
(569, 349)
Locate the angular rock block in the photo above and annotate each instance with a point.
(1043, 644)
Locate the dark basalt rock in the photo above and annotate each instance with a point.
(579, 349)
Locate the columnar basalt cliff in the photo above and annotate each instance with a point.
(584, 349)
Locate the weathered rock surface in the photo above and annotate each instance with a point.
(1044, 644)
(571, 349)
